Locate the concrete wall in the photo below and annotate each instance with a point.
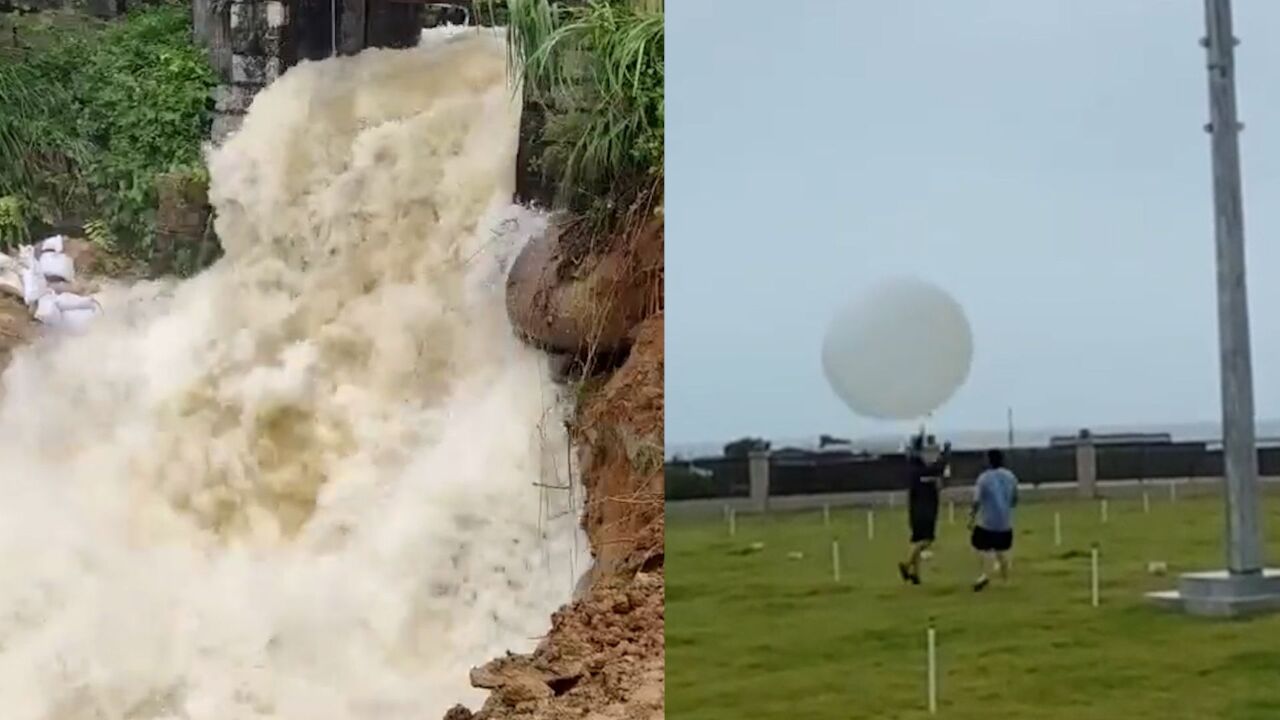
(252, 42)
(821, 474)
(249, 46)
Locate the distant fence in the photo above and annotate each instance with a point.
(824, 473)
(708, 478)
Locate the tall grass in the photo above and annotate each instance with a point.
(596, 69)
(39, 149)
(22, 108)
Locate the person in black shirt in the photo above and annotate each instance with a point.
(924, 481)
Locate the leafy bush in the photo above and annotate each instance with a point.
(143, 104)
(13, 223)
(89, 116)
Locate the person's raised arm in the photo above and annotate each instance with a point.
(939, 466)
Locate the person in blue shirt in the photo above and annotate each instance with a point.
(995, 494)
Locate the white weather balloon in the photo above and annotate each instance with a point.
(899, 352)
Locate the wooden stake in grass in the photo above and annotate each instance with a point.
(1146, 502)
(1104, 510)
(931, 639)
(835, 560)
(893, 499)
(733, 522)
(871, 524)
(1093, 561)
(1057, 529)
(1173, 491)
(826, 514)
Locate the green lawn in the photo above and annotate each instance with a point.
(759, 635)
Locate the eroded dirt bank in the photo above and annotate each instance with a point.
(604, 656)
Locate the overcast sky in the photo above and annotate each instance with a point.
(1043, 161)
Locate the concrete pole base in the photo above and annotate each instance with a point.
(1219, 593)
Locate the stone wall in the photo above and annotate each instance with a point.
(251, 42)
(253, 53)
(96, 8)
(463, 12)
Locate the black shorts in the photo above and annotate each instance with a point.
(924, 522)
(985, 540)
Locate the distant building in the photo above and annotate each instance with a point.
(1111, 439)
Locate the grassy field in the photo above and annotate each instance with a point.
(760, 635)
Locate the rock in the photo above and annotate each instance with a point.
(458, 712)
(182, 216)
(591, 308)
(224, 126)
(254, 69)
(234, 99)
(515, 684)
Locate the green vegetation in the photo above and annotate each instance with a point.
(758, 635)
(92, 112)
(13, 223)
(40, 152)
(684, 482)
(594, 70)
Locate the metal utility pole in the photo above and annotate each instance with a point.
(1246, 586)
(1240, 455)
(1009, 419)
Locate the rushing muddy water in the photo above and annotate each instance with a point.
(322, 479)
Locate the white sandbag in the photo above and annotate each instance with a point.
(33, 285)
(79, 318)
(52, 244)
(71, 301)
(57, 265)
(47, 311)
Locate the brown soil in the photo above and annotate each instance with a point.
(620, 431)
(603, 660)
(604, 657)
(17, 328)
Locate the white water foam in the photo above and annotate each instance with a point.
(310, 483)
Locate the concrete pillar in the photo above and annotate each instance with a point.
(758, 473)
(250, 52)
(1086, 465)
